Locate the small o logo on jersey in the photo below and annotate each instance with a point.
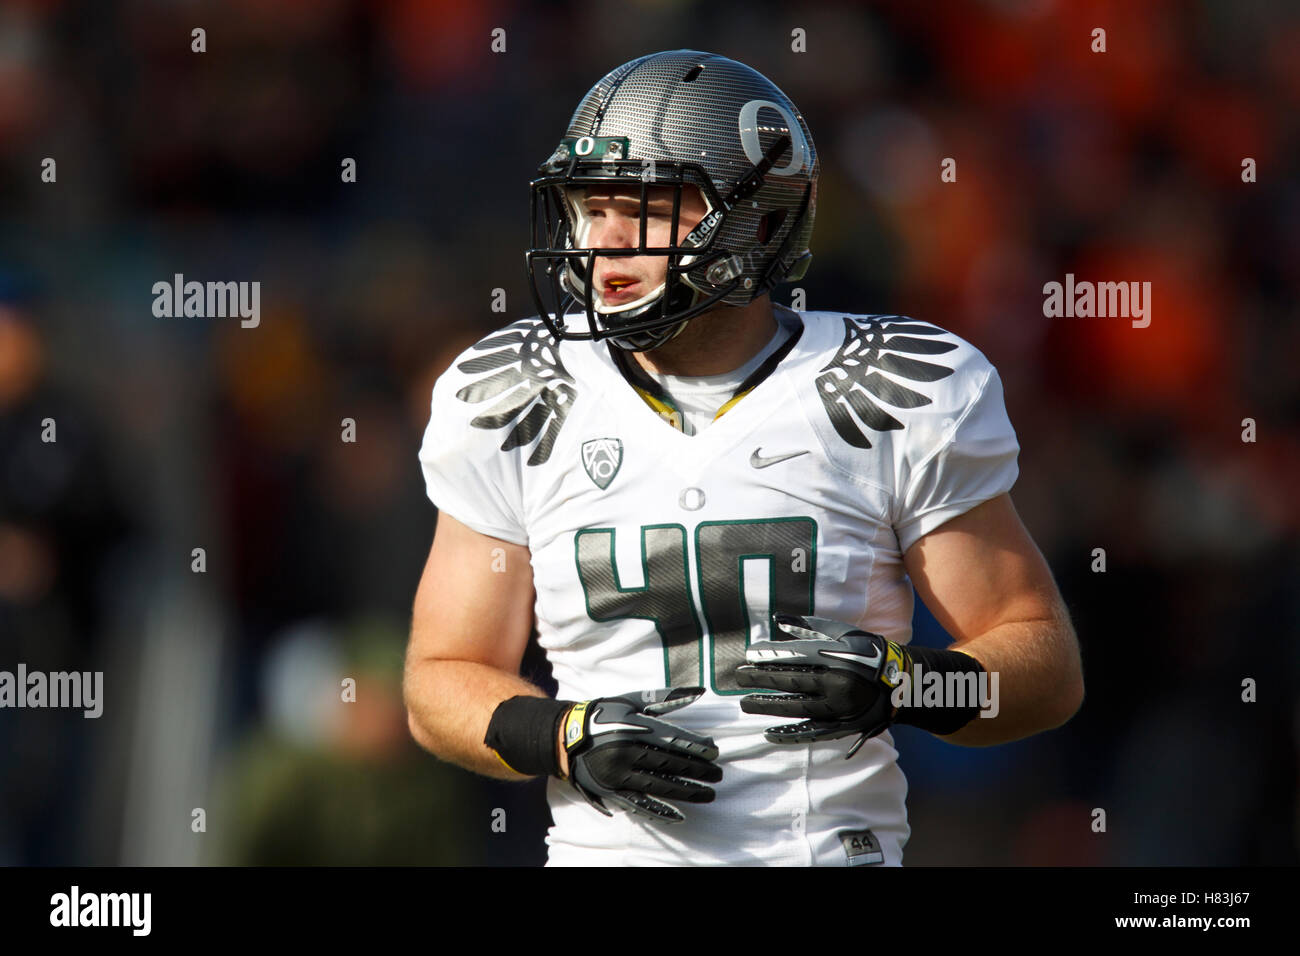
(602, 457)
(748, 121)
(691, 499)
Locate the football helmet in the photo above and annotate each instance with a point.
(680, 118)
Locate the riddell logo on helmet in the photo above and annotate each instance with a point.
(697, 235)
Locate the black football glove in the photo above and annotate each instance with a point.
(621, 755)
(836, 677)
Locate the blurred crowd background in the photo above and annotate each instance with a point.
(222, 687)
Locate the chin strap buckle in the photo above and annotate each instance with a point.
(724, 270)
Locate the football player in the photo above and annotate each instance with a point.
(714, 510)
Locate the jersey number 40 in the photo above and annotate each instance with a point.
(786, 546)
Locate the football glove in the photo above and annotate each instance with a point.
(622, 756)
(836, 677)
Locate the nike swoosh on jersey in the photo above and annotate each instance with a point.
(758, 461)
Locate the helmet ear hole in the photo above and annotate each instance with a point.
(769, 226)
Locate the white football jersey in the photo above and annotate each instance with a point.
(658, 556)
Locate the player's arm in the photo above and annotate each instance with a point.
(986, 582)
(472, 619)
(1015, 657)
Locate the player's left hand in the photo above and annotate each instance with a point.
(837, 678)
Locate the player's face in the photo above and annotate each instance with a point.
(615, 217)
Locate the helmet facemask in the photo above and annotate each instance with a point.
(698, 276)
(561, 263)
(674, 119)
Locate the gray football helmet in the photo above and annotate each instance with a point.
(679, 118)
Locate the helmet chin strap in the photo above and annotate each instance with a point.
(645, 341)
(629, 313)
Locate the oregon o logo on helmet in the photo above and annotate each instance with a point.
(584, 145)
(748, 121)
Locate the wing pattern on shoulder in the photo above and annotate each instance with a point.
(526, 374)
(850, 381)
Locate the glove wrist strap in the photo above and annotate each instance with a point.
(945, 718)
(523, 731)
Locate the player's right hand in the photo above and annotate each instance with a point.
(622, 756)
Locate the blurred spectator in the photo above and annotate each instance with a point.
(64, 525)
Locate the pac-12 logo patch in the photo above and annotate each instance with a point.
(861, 847)
(602, 458)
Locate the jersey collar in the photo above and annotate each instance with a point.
(654, 395)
